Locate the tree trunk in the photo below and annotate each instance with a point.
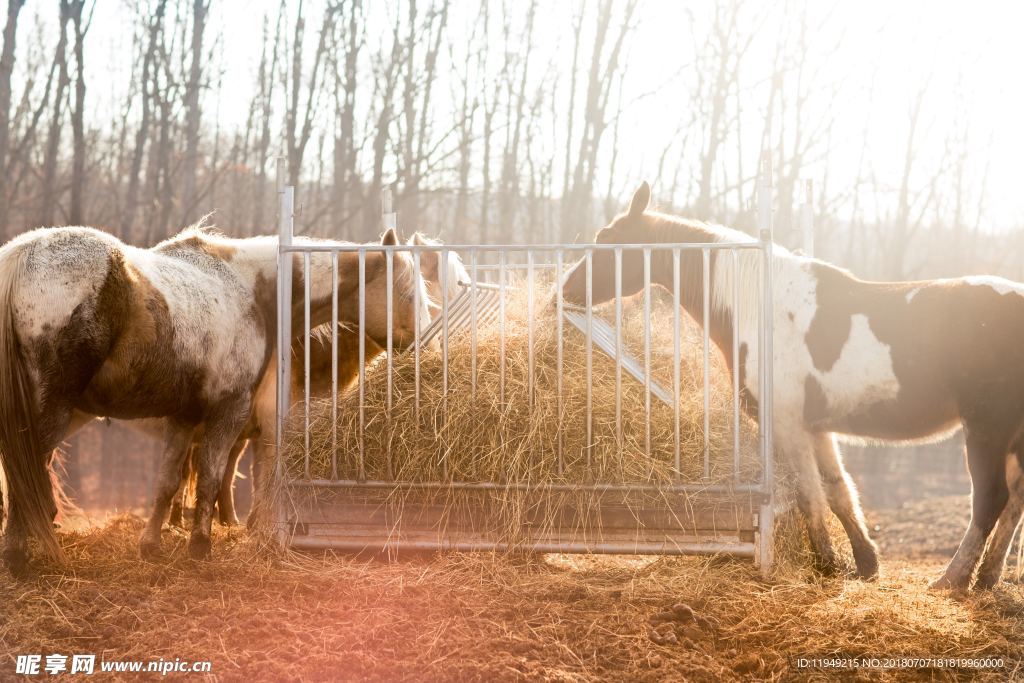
(48, 194)
(77, 210)
(200, 11)
(6, 70)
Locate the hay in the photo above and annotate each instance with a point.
(501, 432)
(464, 435)
(267, 615)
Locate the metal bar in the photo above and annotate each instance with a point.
(647, 352)
(529, 328)
(442, 265)
(676, 359)
(752, 492)
(473, 325)
(285, 263)
(390, 351)
(501, 295)
(735, 366)
(766, 361)
(305, 369)
(752, 245)
(334, 366)
(558, 343)
(618, 350)
(389, 312)
(590, 358)
(706, 256)
(416, 346)
(638, 548)
(362, 362)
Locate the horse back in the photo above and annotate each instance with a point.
(907, 360)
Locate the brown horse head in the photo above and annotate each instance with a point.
(409, 297)
(436, 278)
(632, 227)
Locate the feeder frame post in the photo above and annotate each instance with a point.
(388, 217)
(766, 518)
(807, 218)
(286, 232)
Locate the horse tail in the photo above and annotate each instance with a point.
(30, 489)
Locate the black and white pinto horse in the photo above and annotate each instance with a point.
(90, 326)
(892, 362)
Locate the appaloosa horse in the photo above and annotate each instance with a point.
(879, 361)
(181, 331)
(261, 430)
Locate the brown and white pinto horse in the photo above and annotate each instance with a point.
(181, 331)
(260, 431)
(879, 361)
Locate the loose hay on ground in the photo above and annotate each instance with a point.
(266, 615)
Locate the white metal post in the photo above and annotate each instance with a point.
(286, 216)
(388, 215)
(766, 518)
(807, 218)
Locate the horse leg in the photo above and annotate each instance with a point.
(226, 497)
(262, 463)
(843, 499)
(222, 430)
(177, 517)
(999, 545)
(53, 423)
(811, 500)
(176, 444)
(986, 462)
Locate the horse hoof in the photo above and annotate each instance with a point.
(831, 567)
(148, 549)
(16, 561)
(986, 582)
(228, 520)
(868, 571)
(199, 547)
(945, 582)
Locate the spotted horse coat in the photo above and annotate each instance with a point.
(183, 331)
(888, 362)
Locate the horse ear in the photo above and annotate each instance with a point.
(417, 239)
(389, 239)
(641, 199)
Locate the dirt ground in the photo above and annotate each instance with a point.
(263, 615)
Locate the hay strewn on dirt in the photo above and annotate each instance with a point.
(480, 437)
(266, 615)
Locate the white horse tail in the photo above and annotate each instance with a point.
(30, 490)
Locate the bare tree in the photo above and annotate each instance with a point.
(200, 11)
(76, 213)
(7, 57)
(48, 194)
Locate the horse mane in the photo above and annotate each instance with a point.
(201, 230)
(456, 268)
(742, 271)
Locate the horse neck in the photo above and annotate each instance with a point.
(256, 260)
(718, 301)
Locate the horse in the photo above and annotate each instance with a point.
(893, 362)
(91, 326)
(321, 358)
(261, 429)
